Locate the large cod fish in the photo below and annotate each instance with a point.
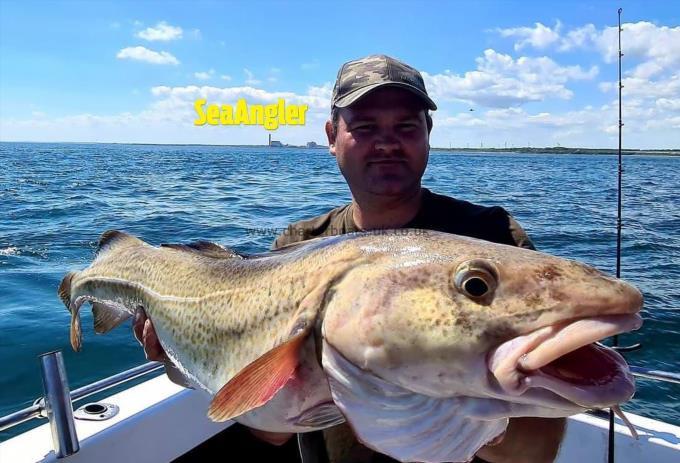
(424, 342)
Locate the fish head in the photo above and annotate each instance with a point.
(446, 316)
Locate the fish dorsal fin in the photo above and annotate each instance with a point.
(205, 248)
(310, 243)
(257, 383)
(111, 239)
(406, 425)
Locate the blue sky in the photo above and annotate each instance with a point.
(538, 73)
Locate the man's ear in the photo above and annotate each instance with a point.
(330, 134)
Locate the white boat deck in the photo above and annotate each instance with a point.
(159, 421)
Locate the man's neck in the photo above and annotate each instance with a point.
(386, 212)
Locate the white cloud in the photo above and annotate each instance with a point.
(578, 38)
(323, 92)
(225, 77)
(502, 81)
(250, 77)
(205, 75)
(183, 97)
(161, 32)
(146, 55)
(651, 64)
(651, 88)
(647, 126)
(169, 119)
(641, 40)
(656, 48)
(638, 88)
(668, 104)
(539, 36)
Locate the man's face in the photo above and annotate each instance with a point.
(382, 143)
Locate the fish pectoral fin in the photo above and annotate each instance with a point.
(403, 424)
(205, 248)
(257, 383)
(108, 316)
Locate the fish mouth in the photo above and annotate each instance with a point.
(563, 359)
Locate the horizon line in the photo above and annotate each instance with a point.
(443, 148)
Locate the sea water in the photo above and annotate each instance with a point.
(56, 200)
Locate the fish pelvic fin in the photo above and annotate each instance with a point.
(111, 239)
(205, 248)
(257, 383)
(108, 316)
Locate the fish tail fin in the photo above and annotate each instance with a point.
(111, 239)
(76, 330)
(65, 289)
(73, 307)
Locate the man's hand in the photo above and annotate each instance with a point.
(146, 335)
(530, 440)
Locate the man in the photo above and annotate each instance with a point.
(379, 134)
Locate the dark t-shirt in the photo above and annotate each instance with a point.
(437, 212)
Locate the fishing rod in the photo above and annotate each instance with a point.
(615, 342)
(619, 226)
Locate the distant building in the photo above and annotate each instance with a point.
(274, 143)
(315, 145)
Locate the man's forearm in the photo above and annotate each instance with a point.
(530, 440)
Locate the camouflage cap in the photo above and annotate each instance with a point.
(359, 77)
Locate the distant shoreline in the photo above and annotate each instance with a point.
(519, 150)
(565, 150)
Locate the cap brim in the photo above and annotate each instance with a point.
(356, 95)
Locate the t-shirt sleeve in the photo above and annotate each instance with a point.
(520, 237)
(323, 225)
(292, 234)
(281, 240)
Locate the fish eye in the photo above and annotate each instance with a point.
(477, 279)
(475, 286)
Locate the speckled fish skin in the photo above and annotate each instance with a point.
(213, 315)
(393, 318)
